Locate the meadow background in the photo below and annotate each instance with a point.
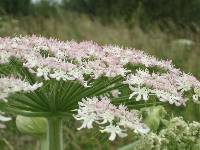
(168, 29)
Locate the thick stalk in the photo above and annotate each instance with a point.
(55, 133)
(43, 143)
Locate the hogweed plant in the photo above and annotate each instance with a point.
(102, 86)
(176, 135)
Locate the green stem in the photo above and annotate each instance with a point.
(43, 143)
(55, 133)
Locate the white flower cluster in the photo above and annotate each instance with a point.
(177, 135)
(10, 85)
(166, 87)
(196, 96)
(111, 119)
(53, 59)
(69, 60)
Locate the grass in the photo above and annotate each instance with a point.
(163, 44)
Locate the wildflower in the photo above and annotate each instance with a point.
(96, 73)
(12, 85)
(168, 87)
(171, 98)
(133, 80)
(141, 93)
(115, 93)
(88, 120)
(184, 83)
(177, 131)
(59, 74)
(43, 71)
(114, 131)
(4, 57)
(111, 119)
(196, 96)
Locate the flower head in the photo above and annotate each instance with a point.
(11, 85)
(97, 75)
(111, 119)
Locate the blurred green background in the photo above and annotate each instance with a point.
(168, 29)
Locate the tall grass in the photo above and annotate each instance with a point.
(182, 46)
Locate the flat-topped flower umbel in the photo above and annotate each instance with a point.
(103, 85)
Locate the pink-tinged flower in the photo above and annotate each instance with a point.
(43, 72)
(4, 57)
(101, 71)
(111, 119)
(141, 93)
(33, 87)
(10, 85)
(71, 60)
(88, 120)
(115, 93)
(164, 96)
(168, 87)
(53, 59)
(184, 83)
(114, 131)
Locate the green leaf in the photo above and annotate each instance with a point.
(153, 116)
(32, 125)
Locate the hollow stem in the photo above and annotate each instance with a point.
(55, 133)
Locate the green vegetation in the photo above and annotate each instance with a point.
(168, 40)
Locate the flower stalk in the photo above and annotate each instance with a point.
(55, 133)
(43, 143)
